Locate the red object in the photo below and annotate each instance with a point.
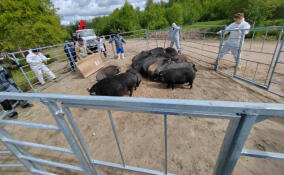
(82, 25)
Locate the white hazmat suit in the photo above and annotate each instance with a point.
(100, 45)
(233, 42)
(175, 32)
(37, 66)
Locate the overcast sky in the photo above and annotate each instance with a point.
(72, 10)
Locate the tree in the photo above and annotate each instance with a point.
(29, 23)
(175, 14)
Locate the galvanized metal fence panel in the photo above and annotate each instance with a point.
(276, 82)
(242, 117)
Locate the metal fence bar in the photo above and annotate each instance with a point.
(226, 145)
(18, 151)
(35, 145)
(239, 52)
(56, 164)
(23, 72)
(130, 168)
(5, 153)
(59, 118)
(273, 57)
(275, 65)
(239, 139)
(70, 117)
(30, 125)
(116, 137)
(166, 143)
(264, 40)
(11, 165)
(262, 154)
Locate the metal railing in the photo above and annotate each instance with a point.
(259, 62)
(242, 117)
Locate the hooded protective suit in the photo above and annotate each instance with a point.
(37, 66)
(7, 84)
(175, 32)
(100, 45)
(233, 42)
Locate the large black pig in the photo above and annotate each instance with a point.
(178, 76)
(107, 72)
(108, 87)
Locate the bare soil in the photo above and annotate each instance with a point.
(193, 143)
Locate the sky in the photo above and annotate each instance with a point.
(74, 10)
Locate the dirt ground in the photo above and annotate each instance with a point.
(193, 143)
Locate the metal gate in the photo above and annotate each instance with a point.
(242, 117)
(254, 59)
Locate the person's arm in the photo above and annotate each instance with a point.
(123, 40)
(110, 40)
(43, 58)
(89, 51)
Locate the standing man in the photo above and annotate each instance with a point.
(35, 60)
(119, 40)
(70, 51)
(7, 84)
(233, 42)
(101, 46)
(82, 49)
(175, 31)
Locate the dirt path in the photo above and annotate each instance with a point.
(194, 143)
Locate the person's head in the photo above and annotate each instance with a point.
(174, 25)
(81, 41)
(68, 43)
(35, 51)
(117, 34)
(238, 18)
(98, 38)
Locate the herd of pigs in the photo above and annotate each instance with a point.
(159, 65)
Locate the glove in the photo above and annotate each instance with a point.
(218, 33)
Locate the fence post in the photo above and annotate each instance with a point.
(166, 143)
(72, 59)
(234, 141)
(272, 60)
(65, 129)
(77, 132)
(239, 51)
(147, 37)
(114, 55)
(220, 49)
(116, 137)
(23, 72)
(156, 39)
(275, 65)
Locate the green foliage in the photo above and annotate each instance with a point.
(29, 23)
(185, 12)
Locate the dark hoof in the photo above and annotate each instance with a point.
(14, 115)
(28, 105)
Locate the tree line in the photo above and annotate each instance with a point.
(185, 12)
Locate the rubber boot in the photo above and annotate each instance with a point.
(122, 55)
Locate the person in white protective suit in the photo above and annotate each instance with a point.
(35, 59)
(233, 42)
(175, 32)
(100, 45)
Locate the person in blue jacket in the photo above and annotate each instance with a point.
(119, 40)
(69, 49)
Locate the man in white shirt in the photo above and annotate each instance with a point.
(233, 42)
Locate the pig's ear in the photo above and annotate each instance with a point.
(88, 89)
